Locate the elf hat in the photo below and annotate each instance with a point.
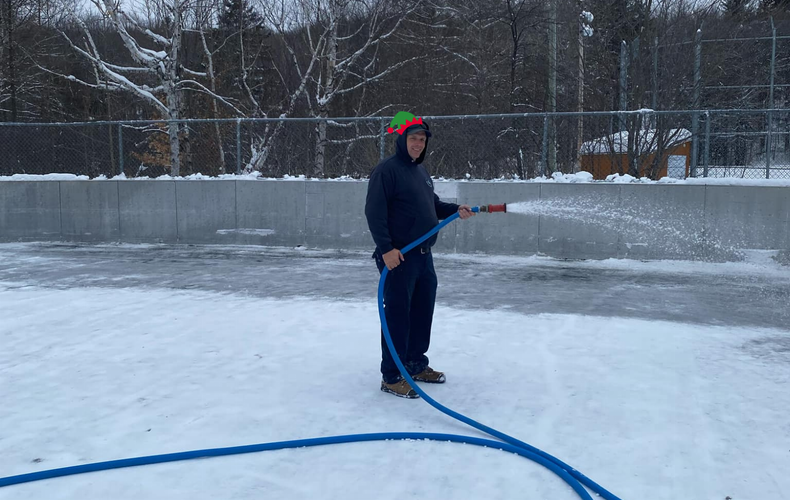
(404, 120)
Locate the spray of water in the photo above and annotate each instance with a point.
(569, 209)
(661, 227)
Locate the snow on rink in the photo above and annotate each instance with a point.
(115, 352)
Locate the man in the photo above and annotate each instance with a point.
(401, 206)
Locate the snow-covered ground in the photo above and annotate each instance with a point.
(657, 380)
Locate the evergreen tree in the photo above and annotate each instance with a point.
(775, 6)
(735, 8)
(238, 15)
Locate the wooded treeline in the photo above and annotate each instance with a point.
(62, 60)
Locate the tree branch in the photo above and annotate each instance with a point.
(204, 89)
(379, 76)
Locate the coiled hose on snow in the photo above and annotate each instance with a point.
(573, 477)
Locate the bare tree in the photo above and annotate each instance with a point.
(285, 19)
(351, 32)
(13, 15)
(519, 16)
(24, 27)
(158, 78)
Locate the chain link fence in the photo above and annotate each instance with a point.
(752, 144)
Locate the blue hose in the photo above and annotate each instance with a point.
(447, 411)
(299, 443)
(568, 474)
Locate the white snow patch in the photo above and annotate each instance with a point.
(758, 265)
(621, 179)
(247, 231)
(579, 177)
(164, 371)
(44, 177)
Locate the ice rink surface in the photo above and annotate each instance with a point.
(659, 380)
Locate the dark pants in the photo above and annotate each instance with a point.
(409, 297)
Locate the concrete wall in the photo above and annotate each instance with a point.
(30, 211)
(577, 221)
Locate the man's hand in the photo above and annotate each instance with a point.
(465, 211)
(393, 258)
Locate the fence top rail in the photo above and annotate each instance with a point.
(729, 87)
(782, 37)
(559, 114)
(717, 40)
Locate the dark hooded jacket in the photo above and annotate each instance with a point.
(401, 205)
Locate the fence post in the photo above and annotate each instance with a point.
(768, 138)
(238, 146)
(544, 150)
(773, 63)
(654, 97)
(623, 85)
(695, 116)
(382, 128)
(120, 149)
(694, 142)
(768, 146)
(706, 156)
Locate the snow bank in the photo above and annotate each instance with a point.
(557, 177)
(47, 177)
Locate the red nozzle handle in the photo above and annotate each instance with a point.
(498, 208)
(494, 208)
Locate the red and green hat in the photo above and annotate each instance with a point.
(404, 120)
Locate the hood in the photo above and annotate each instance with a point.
(403, 153)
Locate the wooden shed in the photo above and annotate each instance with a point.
(609, 155)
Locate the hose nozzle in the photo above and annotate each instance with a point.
(494, 208)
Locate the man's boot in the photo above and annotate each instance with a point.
(429, 375)
(401, 388)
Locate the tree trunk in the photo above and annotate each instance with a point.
(320, 146)
(551, 160)
(213, 80)
(186, 148)
(325, 94)
(175, 146)
(514, 37)
(633, 153)
(173, 129)
(10, 81)
(172, 93)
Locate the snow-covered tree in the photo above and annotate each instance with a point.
(158, 76)
(342, 55)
